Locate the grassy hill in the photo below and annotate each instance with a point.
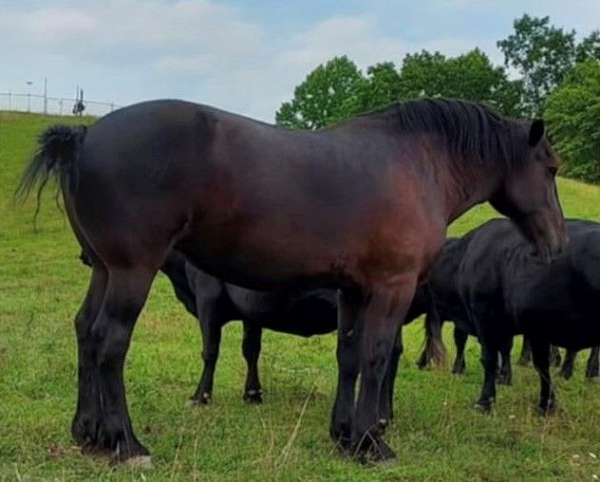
(436, 433)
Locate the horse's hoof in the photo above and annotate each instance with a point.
(253, 397)
(547, 410)
(484, 406)
(143, 462)
(342, 439)
(504, 380)
(566, 374)
(84, 430)
(594, 379)
(376, 452)
(202, 399)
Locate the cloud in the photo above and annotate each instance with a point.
(241, 58)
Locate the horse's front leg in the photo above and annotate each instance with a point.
(592, 371)
(505, 373)
(541, 351)
(525, 357)
(86, 419)
(460, 341)
(555, 358)
(386, 401)
(381, 316)
(349, 303)
(489, 360)
(251, 345)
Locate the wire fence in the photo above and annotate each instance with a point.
(51, 105)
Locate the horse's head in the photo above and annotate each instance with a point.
(528, 195)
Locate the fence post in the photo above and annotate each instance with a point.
(60, 106)
(45, 96)
(28, 102)
(9, 100)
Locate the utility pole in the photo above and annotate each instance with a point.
(29, 84)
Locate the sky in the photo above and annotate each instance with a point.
(244, 56)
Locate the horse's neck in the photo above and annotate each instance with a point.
(466, 188)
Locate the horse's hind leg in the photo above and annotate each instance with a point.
(211, 324)
(460, 341)
(111, 334)
(592, 371)
(566, 371)
(251, 345)
(85, 422)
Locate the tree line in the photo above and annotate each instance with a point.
(547, 72)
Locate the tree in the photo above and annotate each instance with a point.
(573, 117)
(337, 90)
(589, 48)
(381, 88)
(470, 76)
(542, 54)
(327, 95)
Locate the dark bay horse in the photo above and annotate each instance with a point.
(362, 207)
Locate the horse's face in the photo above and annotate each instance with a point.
(529, 197)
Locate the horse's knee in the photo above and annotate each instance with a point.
(111, 347)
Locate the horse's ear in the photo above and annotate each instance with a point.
(536, 132)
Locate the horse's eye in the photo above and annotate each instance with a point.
(552, 170)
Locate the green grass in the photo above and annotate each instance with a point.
(436, 434)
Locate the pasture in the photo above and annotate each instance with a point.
(436, 433)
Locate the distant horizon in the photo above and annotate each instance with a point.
(245, 57)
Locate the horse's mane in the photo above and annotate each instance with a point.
(471, 131)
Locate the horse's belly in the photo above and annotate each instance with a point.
(575, 330)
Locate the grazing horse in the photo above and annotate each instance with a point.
(215, 303)
(592, 371)
(498, 289)
(362, 207)
(294, 311)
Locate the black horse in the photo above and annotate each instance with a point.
(215, 303)
(491, 286)
(362, 207)
(301, 312)
(592, 371)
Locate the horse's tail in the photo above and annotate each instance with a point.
(56, 157)
(435, 349)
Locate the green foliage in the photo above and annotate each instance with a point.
(573, 116)
(338, 90)
(542, 54)
(381, 88)
(470, 76)
(589, 48)
(327, 95)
